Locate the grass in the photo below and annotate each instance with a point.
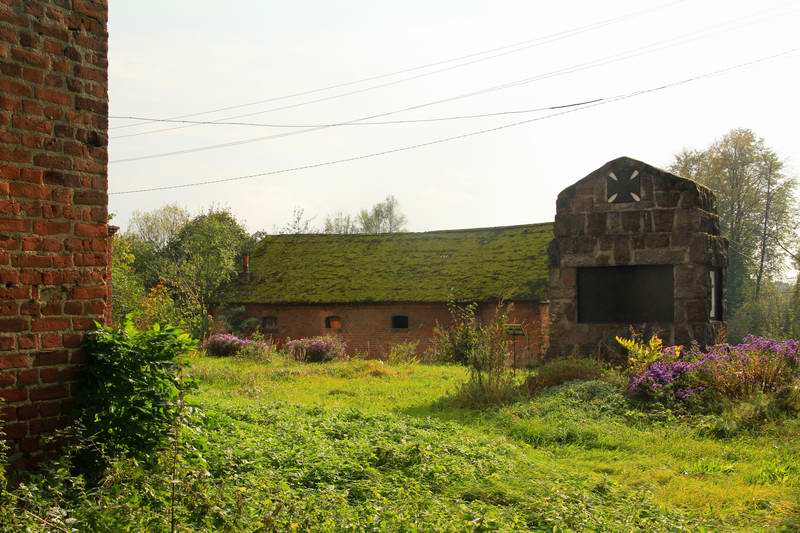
(365, 446)
(387, 445)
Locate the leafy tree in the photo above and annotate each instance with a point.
(159, 226)
(341, 223)
(384, 217)
(756, 205)
(207, 251)
(127, 289)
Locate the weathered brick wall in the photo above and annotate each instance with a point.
(54, 238)
(670, 221)
(367, 328)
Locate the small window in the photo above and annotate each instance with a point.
(269, 324)
(399, 322)
(333, 323)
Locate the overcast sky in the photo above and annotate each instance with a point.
(183, 57)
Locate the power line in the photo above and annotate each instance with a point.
(376, 123)
(635, 52)
(464, 135)
(525, 45)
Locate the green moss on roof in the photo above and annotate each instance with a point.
(467, 265)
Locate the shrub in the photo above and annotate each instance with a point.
(562, 370)
(723, 372)
(491, 381)
(403, 353)
(454, 343)
(224, 344)
(132, 386)
(642, 354)
(257, 348)
(316, 349)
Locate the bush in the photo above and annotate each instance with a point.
(316, 349)
(491, 381)
(257, 348)
(454, 343)
(132, 385)
(403, 353)
(563, 370)
(224, 344)
(723, 373)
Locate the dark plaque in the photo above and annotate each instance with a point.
(625, 294)
(623, 187)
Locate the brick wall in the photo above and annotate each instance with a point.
(367, 328)
(54, 238)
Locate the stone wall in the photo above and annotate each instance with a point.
(367, 328)
(630, 213)
(54, 238)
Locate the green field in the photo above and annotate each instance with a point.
(360, 445)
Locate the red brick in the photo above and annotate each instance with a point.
(14, 224)
(13, 324)
(91, 230)
(49, 375)
(72, 340)
(27, 342)
(28, 377)
(14, 360)
(44, 425)
(49, 324)
(7, 379)
(51, 228)
(50, 408)
(50, 392)
(26, 412)
(89, 293)
(58, 357)
(7, 343)
(13, 395)
(15, 431)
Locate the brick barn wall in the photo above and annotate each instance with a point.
(367, 328)
(54, 238)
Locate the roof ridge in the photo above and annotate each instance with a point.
(399, 233)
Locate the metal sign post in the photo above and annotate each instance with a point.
(514, 331)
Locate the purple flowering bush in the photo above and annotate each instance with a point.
(316, 349)
(224, 344)
(722, 372)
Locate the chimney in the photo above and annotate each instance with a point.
(244, 275)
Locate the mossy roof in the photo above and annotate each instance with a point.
(464, 265)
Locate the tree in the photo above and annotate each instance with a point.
(341, 223)
(299, 224)
(384, 217)
(207, 251)
(149, 235)
(159, 226)
(127, 287)
(756, 205)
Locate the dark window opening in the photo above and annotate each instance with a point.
(333, 322)
(625, 294)
(269, 323)
(400, 322)
(715, 280)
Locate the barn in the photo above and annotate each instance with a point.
(378, 290)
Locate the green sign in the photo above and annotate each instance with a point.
(514, 330)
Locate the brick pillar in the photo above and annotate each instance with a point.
(54, 238)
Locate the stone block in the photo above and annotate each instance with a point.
(663, 219)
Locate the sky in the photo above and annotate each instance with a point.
(188, 57)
